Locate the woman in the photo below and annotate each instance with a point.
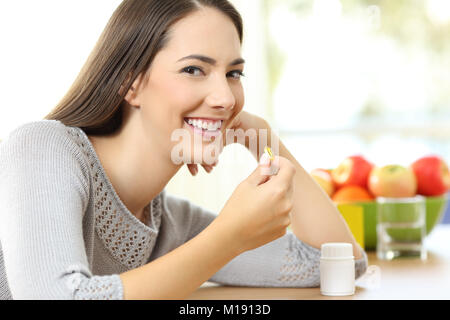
(84, 214)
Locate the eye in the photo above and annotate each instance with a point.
(237, 74)
(193, 70)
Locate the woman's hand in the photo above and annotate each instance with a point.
(244, 121)
(258, 210)
(193, 167)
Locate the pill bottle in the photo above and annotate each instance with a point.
(337, 269)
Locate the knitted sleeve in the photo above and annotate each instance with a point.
(284, 262)
(44, 192)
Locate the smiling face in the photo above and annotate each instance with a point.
(194, 81)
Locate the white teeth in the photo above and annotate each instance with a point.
(205, 125)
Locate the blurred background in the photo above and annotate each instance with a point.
(333, 78)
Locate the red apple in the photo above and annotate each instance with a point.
(394, 181)
(323, 178)
(354, 170)
(433, 176)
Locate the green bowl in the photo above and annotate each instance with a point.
(435, 208)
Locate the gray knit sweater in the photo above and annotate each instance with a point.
(65, 233)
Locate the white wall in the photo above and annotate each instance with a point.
(44, 45)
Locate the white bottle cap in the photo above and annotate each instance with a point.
(337, 250)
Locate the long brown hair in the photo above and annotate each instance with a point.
(136, 31)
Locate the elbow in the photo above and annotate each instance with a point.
(361, 264)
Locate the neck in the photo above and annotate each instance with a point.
(134, 165)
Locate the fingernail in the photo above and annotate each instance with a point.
(195, 171)
(264, 160)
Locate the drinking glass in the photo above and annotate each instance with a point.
(401, 228)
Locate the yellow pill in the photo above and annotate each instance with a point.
(268, 151)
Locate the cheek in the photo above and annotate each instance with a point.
(181, 98)
(168, 99)
(240, 98)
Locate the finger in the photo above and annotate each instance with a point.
(290, 193)
(260, 174)
(265, 165)
(207, 168)
(193, 169)
(285, 168)
(235, 122)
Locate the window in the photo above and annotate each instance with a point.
(366, 76)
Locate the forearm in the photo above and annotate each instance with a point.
(181, 271)
(314, 217)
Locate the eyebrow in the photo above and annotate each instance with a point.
(210, 60)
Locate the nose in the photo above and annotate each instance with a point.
(221, 95)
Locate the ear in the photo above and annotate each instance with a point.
(132, 96)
